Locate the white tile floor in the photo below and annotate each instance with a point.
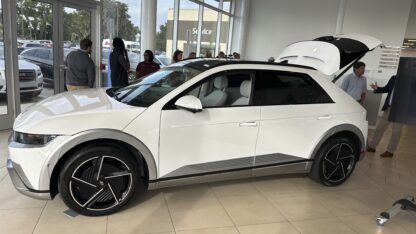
(278, 204)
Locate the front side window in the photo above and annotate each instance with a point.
(224, 90)
(145, 92)
(287, 88)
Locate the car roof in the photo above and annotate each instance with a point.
(207, 64)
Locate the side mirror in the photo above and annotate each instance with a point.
(189, 103)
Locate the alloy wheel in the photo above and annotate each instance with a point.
(338, 163)
(100, 183)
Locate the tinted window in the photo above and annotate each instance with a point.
(28, 53)
(287, 88)
(43, 54)
(33, 45)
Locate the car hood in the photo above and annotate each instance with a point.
(23, 65)
(73, 112)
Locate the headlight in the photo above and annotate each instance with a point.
(38, 73)
(32, 139)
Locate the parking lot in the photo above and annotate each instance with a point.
(26, 101)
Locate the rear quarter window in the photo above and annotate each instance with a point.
(287, 88)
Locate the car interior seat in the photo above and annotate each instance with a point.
(245, 90)
(219, 96)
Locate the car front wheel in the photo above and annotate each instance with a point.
(98, 180)
(335, 162)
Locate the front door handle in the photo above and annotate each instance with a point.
(325, 117)
(248, 124)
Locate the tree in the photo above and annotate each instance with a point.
(116, 22)
(35, 21)
(161, 37)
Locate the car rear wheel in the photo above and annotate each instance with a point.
(334, 162)
(99, 180)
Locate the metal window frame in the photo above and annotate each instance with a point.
(218, 36)
(231, 27)
(200, 20)
(175, 25)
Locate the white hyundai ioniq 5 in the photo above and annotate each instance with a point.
(191, 122)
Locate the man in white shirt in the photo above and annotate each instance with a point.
(355, 84)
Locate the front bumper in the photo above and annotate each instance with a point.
(22, 184)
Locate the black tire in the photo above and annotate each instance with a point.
(98, 180)
(334, 162)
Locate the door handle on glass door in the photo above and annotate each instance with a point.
(325, 117)
(248, 124)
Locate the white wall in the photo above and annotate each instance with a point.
(274, 24)
(383, 19)
(411, 26)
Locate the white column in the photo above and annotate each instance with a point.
(148, 25)
(242, 9)
(341, 16)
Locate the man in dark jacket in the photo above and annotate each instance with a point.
(80, 72)
(384, 121)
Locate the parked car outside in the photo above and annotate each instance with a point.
(43, 57)
(26, 46)
(30, 78)
(195, 121)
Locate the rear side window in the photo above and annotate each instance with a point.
(287, 88)
(43, 54)
(28, 53)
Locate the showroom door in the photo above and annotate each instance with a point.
(77, 20)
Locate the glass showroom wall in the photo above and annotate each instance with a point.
(196, 23)
(187, 25)
(120, 18)
(164, 32)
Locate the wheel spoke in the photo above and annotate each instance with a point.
(342, 169)
(114, 195)
(92, 199)
(347, 157)
(332, 173)
(332, 163)
(339, 152)
(98, 166)
(82, 182)
(117, 174)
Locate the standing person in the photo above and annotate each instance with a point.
(177, 56)
(384, 121)
(148, 66)
(81, 69)
(221, 54)
(119, 64)
(236, 55)
(355, 84)
(208, 54)
(192, 55)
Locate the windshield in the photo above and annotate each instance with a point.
(152, 88)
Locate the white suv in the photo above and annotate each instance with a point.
(192, 122)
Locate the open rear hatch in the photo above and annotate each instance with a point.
(329, 54)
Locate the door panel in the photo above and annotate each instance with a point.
(211, 140)
(295, 114)
(293, 130)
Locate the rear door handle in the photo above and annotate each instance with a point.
(325, 117)
(248, 124)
